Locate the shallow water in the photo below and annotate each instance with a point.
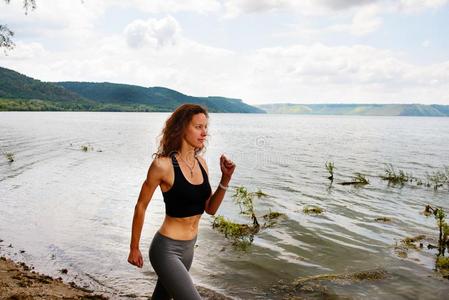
(73, 209)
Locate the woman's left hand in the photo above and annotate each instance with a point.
(227, 166)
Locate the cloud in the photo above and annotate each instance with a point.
(341, 74)
(364, 21)
(27, 51)
(234, 8)
(156, 52)
(315, 73)
(169, 6)
(153, 32)
(68, 23)
(414, 6)
(307, 7)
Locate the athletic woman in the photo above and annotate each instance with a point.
(182, 175)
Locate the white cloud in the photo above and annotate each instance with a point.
(236, 7)
(354, 74)
(153, 32)
(365, 21)
(324, 7)
(71, 23)
(156, 52)
(27, 51)
(305, 7)
(300, 73)
(414, 6)
(169, 6)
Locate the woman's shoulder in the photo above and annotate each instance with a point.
(161, 164)
(202, 161)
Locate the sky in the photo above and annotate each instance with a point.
(260, 51)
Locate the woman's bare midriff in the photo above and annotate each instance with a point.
(180, 228)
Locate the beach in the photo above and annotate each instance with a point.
(19, 281)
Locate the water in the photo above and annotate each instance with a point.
(73, 209)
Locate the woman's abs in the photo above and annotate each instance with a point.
(180, 228)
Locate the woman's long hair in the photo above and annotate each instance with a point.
(173, 132)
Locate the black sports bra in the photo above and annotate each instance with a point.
(184, 199)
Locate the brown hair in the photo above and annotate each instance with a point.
(173, 131)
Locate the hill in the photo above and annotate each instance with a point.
(19, 92)
(152, 98)
(358, 109)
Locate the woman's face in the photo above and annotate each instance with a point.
(196, 131)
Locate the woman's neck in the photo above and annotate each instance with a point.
(187, 154)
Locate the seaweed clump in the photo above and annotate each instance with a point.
(358, 179)
(311, 209)
(317, 286)
(242, 235)
(9, 156)
(394, 178)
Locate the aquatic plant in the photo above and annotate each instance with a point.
(245, 200)
(231, 229)
(358, 179)
(271, 218)
(316, 286)
(407, 243)
(310, 209)
(438, 178)
(394, 177)
(443, 227)
(442, 265)
(330, 168)
(86, 148)
(243, 234)
(410, 242)
(442, 262)
(260, 194)
(344, 278)
(9, 156)
(382, 219)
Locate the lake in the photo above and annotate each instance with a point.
(73, 209)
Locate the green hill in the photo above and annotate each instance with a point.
(154, 98)
(358, 109)
(19, 92)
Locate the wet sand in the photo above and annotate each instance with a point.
(18, 281)
(21, 282)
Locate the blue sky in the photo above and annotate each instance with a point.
(261, 51)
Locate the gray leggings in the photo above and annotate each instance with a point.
(171, 260)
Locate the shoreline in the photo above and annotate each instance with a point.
(19, 281)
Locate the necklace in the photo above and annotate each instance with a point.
(190, 167)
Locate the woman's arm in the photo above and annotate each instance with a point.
(227, 169)
(154, 178)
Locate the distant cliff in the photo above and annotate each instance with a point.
(19, 92)
(358, 109)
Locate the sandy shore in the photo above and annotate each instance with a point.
(18, 281)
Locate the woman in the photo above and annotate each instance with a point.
(182, 175)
